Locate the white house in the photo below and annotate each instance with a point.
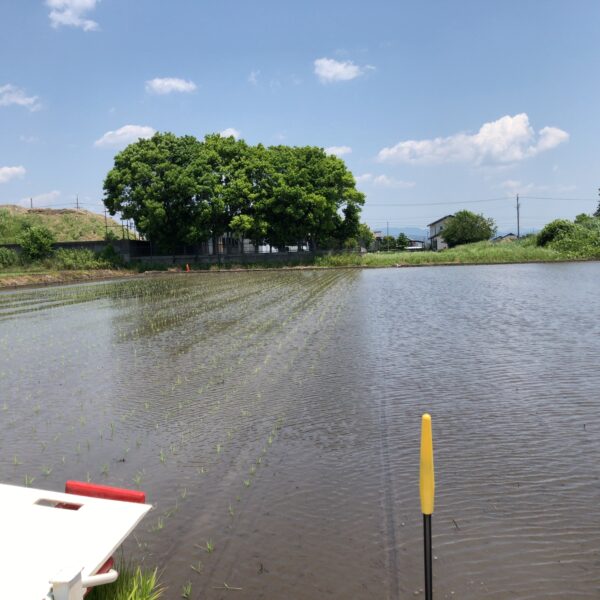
(436, 239)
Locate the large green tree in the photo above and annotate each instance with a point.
(466, 227)
(402, 242)
(312, 189)
(182, 190)
(155, 183)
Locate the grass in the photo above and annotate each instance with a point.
(521, 251)
(132, 584)
(75, 266)
(67, 225)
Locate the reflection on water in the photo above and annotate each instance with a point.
(276, 416)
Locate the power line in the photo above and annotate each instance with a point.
(554, 198)
(367, 204)
(448, 202)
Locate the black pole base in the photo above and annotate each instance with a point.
(428, 557)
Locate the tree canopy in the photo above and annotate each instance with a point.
(183, 190)
(466, 227)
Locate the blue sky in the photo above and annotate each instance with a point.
(434, 106)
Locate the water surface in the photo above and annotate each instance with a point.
(277, 417)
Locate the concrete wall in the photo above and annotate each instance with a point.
(144, 252)
(223, 259)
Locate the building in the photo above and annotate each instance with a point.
(509, 237)
(416, 245)
(436, 240)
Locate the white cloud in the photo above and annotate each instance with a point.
(329, 70)
(253, 77)
(507, 140)
(168, 85)
(125, 135)
(338, 150)
(72, 13)
(8, 173)
(364, 178)
(384, 181)
(28, 139)
(230, 132)
(40, 200)
(514, 186)
(11, 94)
(391, 182)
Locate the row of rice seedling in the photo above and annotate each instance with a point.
(166, 389)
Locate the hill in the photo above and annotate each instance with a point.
(67, 225)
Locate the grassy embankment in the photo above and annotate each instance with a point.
(66, 225)
(521, 251)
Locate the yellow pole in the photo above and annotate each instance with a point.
(427, 490)
(426, 479)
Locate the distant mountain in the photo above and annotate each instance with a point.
(414, 233)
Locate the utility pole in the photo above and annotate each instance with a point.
(30, 202)
(518, 218)
(77, 201)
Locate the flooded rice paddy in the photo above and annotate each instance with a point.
(273, 419)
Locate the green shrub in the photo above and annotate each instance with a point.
(582, 241)
(8, 258)
(110, 256)
(554, 229)
(65, 258)
(37, 242)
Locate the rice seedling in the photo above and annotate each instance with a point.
(162, 456)
(16, 461)
(132, 584)
(159, 526)
(137, 478)
(247, 483)
(171, 511)
(231, 511)
(28, 480)
(228, 588)
(186, 590)
(46, 471)
(209, 547)
(198, 567)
